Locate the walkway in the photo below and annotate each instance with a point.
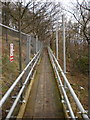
(44, 100)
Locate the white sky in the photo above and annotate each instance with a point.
(66, 2)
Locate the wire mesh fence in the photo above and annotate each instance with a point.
(9, 46)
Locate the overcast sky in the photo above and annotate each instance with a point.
(64, 2)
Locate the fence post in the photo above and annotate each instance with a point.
(1, 55)
(64, 46)
(28, 52)
(20, 49)
(20, 56)
(36, 43)
(89, 62)
(39, 45)
(57, 41)
(89, 79)
(28, 49)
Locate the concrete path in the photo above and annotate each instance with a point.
(44, 100)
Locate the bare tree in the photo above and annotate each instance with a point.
(81, 13)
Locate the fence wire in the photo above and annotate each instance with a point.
(10, 69)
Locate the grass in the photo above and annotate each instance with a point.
(10, 70)
(77, 80)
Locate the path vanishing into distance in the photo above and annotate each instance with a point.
(44, 99)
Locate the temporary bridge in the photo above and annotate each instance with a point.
(45, 93)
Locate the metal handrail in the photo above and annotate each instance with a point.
(4, 98)
(78, 103)
(62, 87)
(13, 29)
(22, 89)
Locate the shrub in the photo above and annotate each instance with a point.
(82, 64)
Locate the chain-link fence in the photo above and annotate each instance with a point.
(9, 45)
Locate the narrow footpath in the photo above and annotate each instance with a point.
(44, 100)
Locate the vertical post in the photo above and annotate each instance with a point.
(20, 50)
(28, 49)
(89, 62)
(29, 46)
(6, 23)
(89, 79)
(39, 46)
(64, 46)
(20, 56)
(57, 41)
(28, 52)
(1, 56)
(36, 43)
(33, 15)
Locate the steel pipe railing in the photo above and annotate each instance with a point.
(78, 103)
(4, 98)
(22, 89)
(13, 29)
(62, 87)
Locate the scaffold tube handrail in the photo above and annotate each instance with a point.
(62, 87)
(4, 98)
(22, 89)
(78, 103)
(13, 29)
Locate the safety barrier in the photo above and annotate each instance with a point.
(5, 97)
(13, 63)
(57, 68)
